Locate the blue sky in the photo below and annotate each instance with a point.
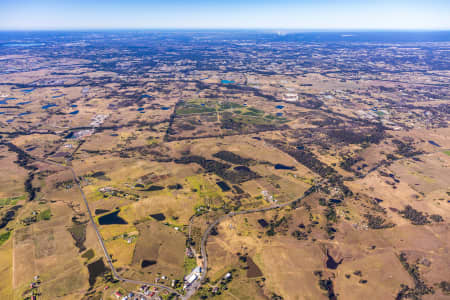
(288, 14)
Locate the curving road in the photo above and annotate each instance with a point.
(100, 238)
(190, 292)
(230, 215)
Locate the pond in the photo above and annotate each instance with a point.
(100, 211)
(335, 201)
(49, 105)
(23, 103)
(158, 217)
(434, 143)
(165, 108)
(280, 106)
(224, 186)
(27, 91)
(283, 167)
(74, 105)
(263, 223)
(147, 263)
(331, 263)
(96, 269)
(140, 109)
(58, 96)
(5, 101)
(25, 113)
(279, 114)
(74, 112)
(223, 81)
(111, 219)
(153, 188)
(69, 136)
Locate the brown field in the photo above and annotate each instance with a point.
(6, 269)
(370, 135)
(162, 244)
(12, 177)
(47, 249)
(288, 265)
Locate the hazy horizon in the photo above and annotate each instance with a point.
(321, 15)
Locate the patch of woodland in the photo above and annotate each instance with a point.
(420, 287)
(405, 149)
(233, 158)
(237, 175)
(419, 218)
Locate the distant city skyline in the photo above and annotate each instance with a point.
(231, 14)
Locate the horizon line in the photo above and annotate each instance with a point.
(227, 29)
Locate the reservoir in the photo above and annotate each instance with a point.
(111, 219)
(227, 81)
(283, 167)
(434, 143)
(224, 186)
(49, 105)
(158, 217)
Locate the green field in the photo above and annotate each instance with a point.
(4, 237)
(45, 215)
(11, 200)
(189, 264)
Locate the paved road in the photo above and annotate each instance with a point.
(230, 215)
(100, 238)
(190, 292)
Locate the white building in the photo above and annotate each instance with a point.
(291, 97)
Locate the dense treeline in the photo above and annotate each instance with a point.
(405, 149)
(420, 288)
(232, 158)
(237, 175)
(24, 160)
(349, 136)
(309, 159)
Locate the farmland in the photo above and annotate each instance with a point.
(283, 167)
